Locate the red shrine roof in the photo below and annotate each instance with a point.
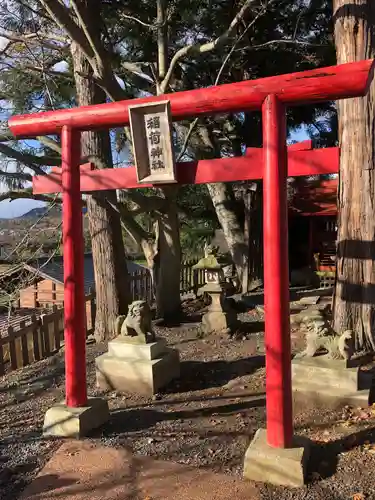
(313, 198)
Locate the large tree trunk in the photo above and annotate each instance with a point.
(354, 302)
(111, 275)
(253, 231)
(167, 260)
(223, 202)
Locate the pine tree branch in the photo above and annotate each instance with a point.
(103, 73)
(26, 158)
(42, 38)
(130, 225)
(154, 26)
(61, 15)
(6, 135)
(137, 70)
(250, 25)
(16, 175)
(80, 11)
(89, 43)
(205, 47)
(146, 203)
(49, 143)
(280, 42)
(28, 195)
(162, 42)
(39, 69)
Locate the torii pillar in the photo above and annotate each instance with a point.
(276, 456)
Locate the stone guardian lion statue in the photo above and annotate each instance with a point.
(137, 323)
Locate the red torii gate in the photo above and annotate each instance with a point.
(270, 163)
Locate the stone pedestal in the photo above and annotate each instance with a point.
(219, 317)
(63, 421)
(279, 466)
(320, 380)
(139, 368)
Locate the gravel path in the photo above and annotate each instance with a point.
(205, 419)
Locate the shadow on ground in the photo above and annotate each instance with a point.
(250, 327)
(139, 419)
(324, 456)
(199, 375)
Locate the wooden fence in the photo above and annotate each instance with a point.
(37, 337)
(191, 279)
(141, 282)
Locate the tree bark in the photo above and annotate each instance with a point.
(354, 300)
(111, 275)
(167, 260)
(166, 268)
(253, 232)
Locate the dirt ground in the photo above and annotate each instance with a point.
(205, 419)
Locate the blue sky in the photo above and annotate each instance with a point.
(9, 210)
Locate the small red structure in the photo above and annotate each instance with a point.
(269, 94)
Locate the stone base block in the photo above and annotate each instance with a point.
(320, 372)
(217, 321)
(282, 467)
(63, 421)
(325, 382)
(329, 398)
(122, 347)
(141, 376)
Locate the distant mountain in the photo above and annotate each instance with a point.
(36, 213)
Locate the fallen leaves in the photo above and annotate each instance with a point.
(369, 447)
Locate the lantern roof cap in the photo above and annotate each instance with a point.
(212, 260)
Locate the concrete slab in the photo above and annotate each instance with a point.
(63, 421)
(282, 467)
(82, 470)
(309, 301)
(140, 376)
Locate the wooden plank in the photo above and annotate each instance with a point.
(2, 363)
(250, 167)
(24, 344)
(317, 85)
(45, 335)
(36, 338)
(17, 334)
(12, 349)
(56, 328)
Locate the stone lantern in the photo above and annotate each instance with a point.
(220, 317)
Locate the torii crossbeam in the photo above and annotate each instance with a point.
(269, 94)
(302, 160)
